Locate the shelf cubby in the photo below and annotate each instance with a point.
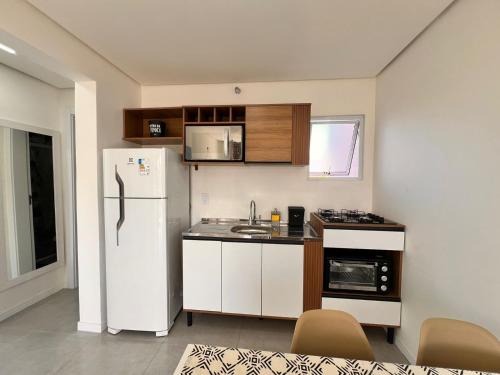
(191, 114)
(222, 114)
(207, 114)
(238, 114)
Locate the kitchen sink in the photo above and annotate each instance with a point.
(251, 229)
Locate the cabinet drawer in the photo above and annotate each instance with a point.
(366, 311)
(364, 239)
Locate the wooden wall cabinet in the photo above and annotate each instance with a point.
(301, 133)
(274, 133)
(278, 133)
(268, 134)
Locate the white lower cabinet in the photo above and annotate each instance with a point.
(282, 280)
(201, 267)
(385, 313)
(241, 277)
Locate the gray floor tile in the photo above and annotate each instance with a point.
(166, 359)
(43, 340)
(384, 352)
(111, 357)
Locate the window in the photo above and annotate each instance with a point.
(336, 147)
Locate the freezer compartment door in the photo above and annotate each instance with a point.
(136, 264)
(142, 171)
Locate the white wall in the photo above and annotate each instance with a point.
(66, 108)
(230, 188)
(436, 168)
(98, 125)
(29, 101)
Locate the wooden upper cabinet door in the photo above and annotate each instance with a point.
(268, 135)
(301, 134)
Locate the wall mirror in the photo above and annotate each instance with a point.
(27, 200)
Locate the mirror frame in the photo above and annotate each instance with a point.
(5, 283)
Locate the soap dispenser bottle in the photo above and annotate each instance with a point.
(275, 219)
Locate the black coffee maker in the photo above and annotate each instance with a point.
(296, 217)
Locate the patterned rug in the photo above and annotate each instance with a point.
(211, 360)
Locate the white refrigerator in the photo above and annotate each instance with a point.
(146, 207)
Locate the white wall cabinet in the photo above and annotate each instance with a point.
(241, 277)
(201, 266)
(282, 280)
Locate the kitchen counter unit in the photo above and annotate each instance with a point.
(260, 273)
(220, 229)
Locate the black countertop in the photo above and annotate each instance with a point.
(220, 230)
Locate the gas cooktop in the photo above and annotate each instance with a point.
(349, 216)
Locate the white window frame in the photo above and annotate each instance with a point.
(360, 120)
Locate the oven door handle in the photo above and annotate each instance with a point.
(361, 265)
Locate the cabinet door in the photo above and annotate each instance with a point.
(282, 280)
(301, 134)
(201, 267)
(241, 278)
(268, 135)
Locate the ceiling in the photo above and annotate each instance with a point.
(34, 62)
(199, 41)
(27, 66)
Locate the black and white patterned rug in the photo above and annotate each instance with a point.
(211, 360)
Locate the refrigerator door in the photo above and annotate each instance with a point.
(141, 170)
(136, 264)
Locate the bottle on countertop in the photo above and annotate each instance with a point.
(275, 219)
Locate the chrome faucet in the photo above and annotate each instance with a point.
(251, 218)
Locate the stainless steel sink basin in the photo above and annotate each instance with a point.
(251, 229)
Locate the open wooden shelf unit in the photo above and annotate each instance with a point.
(136, 125)
(214, 115)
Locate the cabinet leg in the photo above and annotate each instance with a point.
(390, 335)
(189, 316)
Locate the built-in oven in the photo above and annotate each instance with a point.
(214, 142)
(370, 271)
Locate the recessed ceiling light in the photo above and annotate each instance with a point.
(7, 49)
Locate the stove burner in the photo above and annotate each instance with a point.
(349, 216)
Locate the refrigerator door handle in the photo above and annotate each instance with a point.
(121, 199)
(226, 143)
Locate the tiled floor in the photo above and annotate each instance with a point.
(43, 340)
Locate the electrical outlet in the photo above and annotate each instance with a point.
(204, 198)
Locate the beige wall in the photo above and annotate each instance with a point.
(436, 168)
(98, 125)
(230, 188)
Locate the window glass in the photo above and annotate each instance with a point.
(335, 147)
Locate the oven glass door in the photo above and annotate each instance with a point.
(353, 275)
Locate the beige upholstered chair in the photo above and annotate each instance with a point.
(459, 345)
(330, 333)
